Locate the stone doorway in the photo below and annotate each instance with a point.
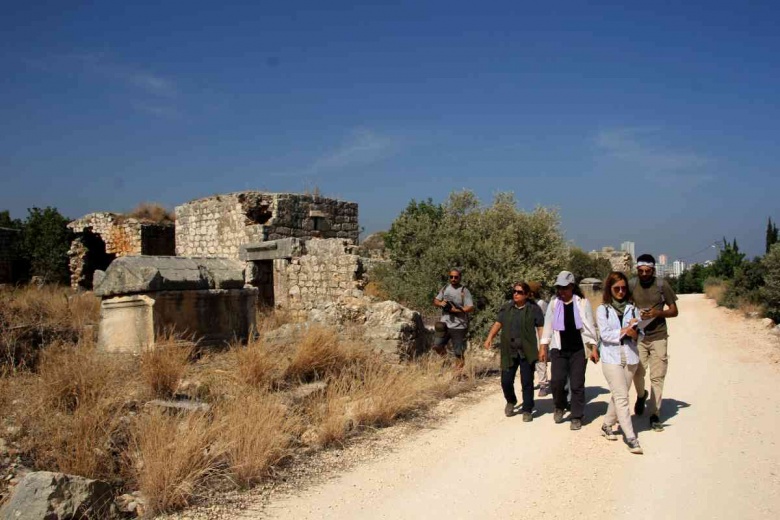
(263, 279)
(90, 253)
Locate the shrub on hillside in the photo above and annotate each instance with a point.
(495, 245)
(770, 292)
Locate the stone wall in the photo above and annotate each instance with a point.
(7, 239)
(328, 271)
(101, 237)
(619, 260)
(218, 226)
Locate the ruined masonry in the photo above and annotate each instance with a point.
(222, 224)
(102, 237)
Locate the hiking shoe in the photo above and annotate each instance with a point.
(655, 424)
(634, 447)
(607, 432)
(509, 409)
(576, 424)
(639, 405)
(527, 417)
(558, 416)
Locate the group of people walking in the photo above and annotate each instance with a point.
(628, 336)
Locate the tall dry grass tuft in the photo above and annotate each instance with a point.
(257, 431)
(715, 291)
(76, 375)
(152, 212)
(259, 365)
(268, 319)
(172, 459)
(33, 317)
(320, 352)
(164, 365)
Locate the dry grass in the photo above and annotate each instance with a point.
(31, 318)
(173, 458)
(259, 365)
(374, 289)
(320, 352)
(257, 431)
(715, 291)
(164, 365)
(152, 212)
(268, 319)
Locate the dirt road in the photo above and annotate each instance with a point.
(718, 458)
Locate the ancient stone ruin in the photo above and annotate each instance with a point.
(147, 297)
(619, 260)
(222, 224)
(102, 237)
(8, 238)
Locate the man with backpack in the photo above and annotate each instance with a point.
(657, 301)
(456, 304)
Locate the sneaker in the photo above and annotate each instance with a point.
(558, 416)
(655, 424)
(527, 417)
(509, 409)
(639, 405)
(634, 447)
(576, 424)
(543, 392)
(607, 432)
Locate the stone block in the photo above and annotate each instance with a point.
(47, 495)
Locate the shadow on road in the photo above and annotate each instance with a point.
(669, 409)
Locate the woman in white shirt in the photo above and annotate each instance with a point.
(619, 355)
(570, 338)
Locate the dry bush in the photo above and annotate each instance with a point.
(32, 317)
(163, 365)
(152, 212)
(75, 375)
(320, 352)
(268, 319)
(374, 289)
(259, 365)
(749, 309)
(256, 430)
(172, 458)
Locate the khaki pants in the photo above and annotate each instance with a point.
(541, 375)
(653, 358)
(619, 379)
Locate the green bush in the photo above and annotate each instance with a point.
(770, 292)
(494, 245)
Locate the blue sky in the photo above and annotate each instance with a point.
(657, 123)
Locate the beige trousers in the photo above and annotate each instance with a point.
(619, 380)
(541, 375)
(653, 358)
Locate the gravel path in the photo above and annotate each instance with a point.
(718, 458)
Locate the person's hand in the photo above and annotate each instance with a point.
(633, 321)
(543, 354)
(594, 354)
(632, 333)
(650, 313)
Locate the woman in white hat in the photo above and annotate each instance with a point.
(569, 339)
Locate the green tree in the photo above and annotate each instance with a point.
(770, 292)
(729, 259)
(7, 222)
(45, 243)
(494, 245)
(771, 234)
(582, 265)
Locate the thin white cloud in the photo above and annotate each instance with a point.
(361, 147)
(631, 150)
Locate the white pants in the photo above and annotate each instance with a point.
(619, 378)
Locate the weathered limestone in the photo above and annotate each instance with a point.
(8, 238)
(619, 260)
(101, 237)
(220, 225)
(57, 496)
(147, 297)
(591, 288)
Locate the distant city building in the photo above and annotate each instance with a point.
(678, 268)
(661, 267)
(629, 247)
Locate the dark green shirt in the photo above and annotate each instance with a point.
(518, 332)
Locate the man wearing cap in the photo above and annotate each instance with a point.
(456, 304)
(656, 299)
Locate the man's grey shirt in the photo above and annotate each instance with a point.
(461, 297)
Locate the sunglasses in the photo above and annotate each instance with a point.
(619, 288)
(518, 292)
(454, 277)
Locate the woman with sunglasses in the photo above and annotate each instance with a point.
(570, 334)
(619, 355)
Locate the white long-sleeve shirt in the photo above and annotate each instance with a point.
(552, 338)
(610, 326)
